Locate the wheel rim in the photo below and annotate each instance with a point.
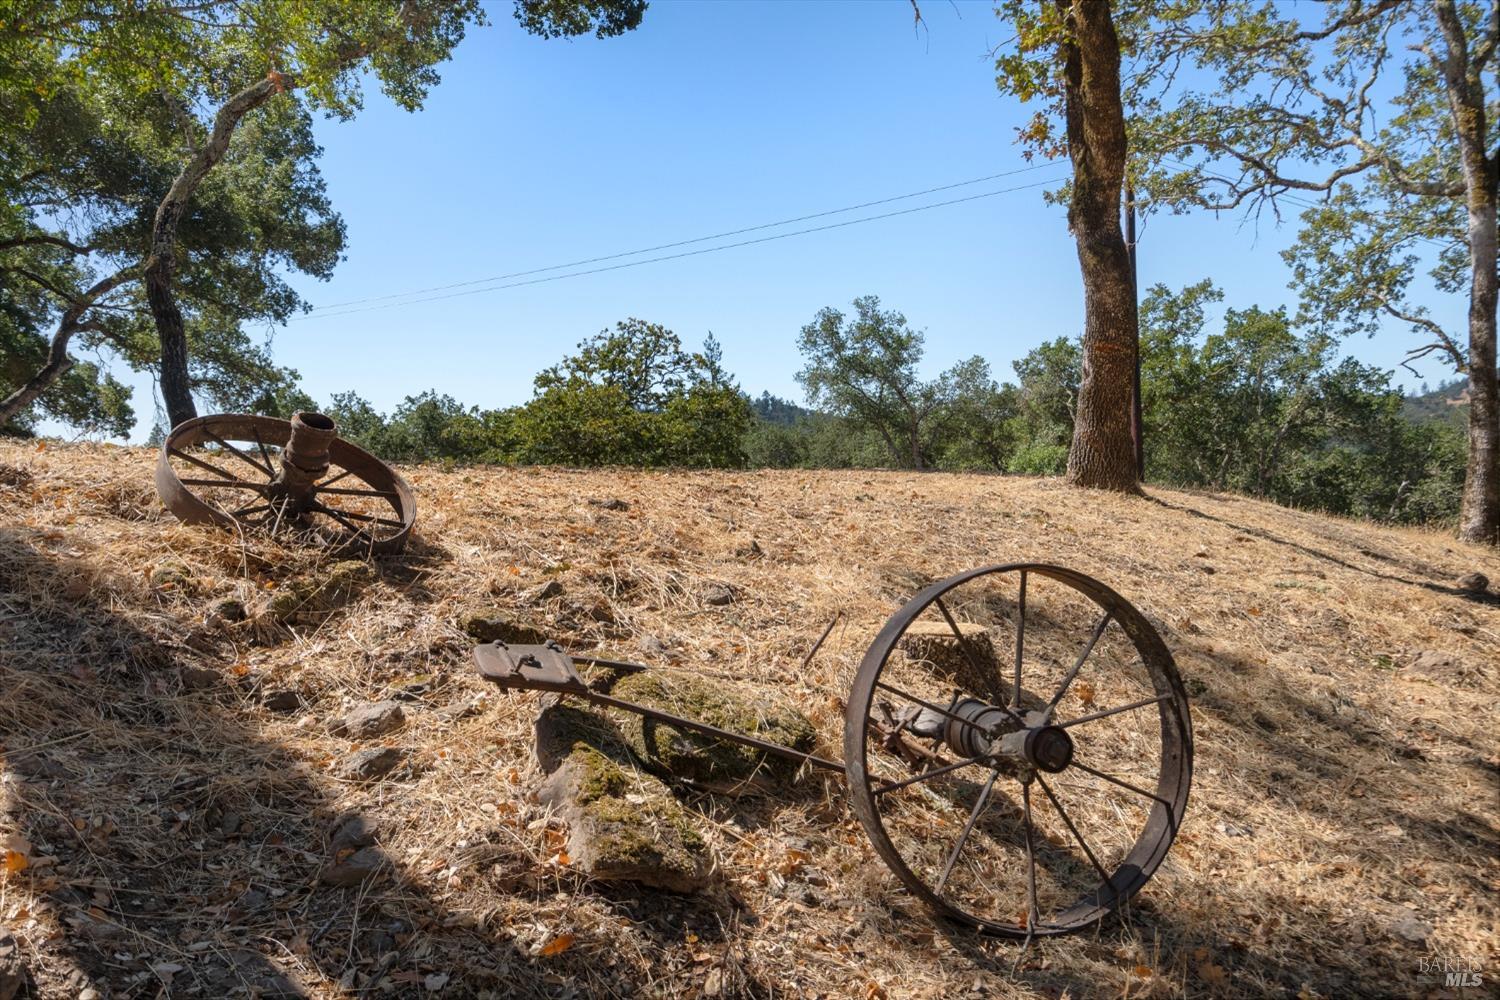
(1083, 738)
(226, 469)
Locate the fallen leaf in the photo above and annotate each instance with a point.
(874, 991)
(1144, 971)
(557, 945)
(15, 862)
(1085, 692)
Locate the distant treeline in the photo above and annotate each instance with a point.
(1252, 406)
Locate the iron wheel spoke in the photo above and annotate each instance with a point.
(203, 465)
(350, 492)
(339, 517)
(329, 482)
(963, 643)
(892, 786)
(247, 511)
(1056, 804)
(1115, 711)
(984, 798)
(1033, 912)
(270, 473)
(1015, 700)
(225, 484)
(1127, 785)
(335, 511)
(1078, 663)
(270, 463)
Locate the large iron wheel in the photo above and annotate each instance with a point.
(245, 471)
(1018, 749)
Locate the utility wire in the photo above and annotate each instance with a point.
(677, 256)
(683, 243)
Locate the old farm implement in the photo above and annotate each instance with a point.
(295, 476)
(1017, 744)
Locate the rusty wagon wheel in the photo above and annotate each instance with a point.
(295, 476)
(1018, 749)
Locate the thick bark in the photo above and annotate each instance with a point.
(176, 388)
(1102, 454)
(1479, 515)
(58, 363)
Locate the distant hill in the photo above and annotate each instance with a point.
(775, 410)
(1448, 403)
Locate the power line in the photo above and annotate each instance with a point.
(685, 253)
(683, 243)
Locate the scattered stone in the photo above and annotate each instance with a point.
(1474, 583)
(972, 664)
(547, 591)
(370, 764)
(717, 595)
(363, 864)
(39, 768)
(227, 609)
(368, 721)
(309, 599)
(1233, 829)
(199, 678)
(14, 977)
(352, 834)
(1436, 664)
(715, 765)
(283, 701)
(1406, 925)
(459, 710)
(623, 825)
(652, 646)
(412, 688)
(487, 626)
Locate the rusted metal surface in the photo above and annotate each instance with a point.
(952, 736)
(246, 471)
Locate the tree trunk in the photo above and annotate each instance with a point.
(176, 386)
(58, 363)
(1479, 514)
(1103, 454)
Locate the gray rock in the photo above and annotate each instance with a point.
(282, 701)
(227, 609)
(1474, 583)
(717, 595)
(39, 768)
(1436, 664)
(363, 864)
(1406, 925)
(368, 721)
(367, 765)
(653, 646)
(352, 834)
(489, 627)
(547, 591)
(199, 678)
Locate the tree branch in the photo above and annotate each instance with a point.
(43, 239)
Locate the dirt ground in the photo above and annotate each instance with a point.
(166, 817)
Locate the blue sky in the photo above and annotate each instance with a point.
(714, 117)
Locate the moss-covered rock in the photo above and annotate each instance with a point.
(623, 825)
(489, 625)
(172, 574)
(310, 597)
(709, 763)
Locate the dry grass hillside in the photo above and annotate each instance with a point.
(169, 783)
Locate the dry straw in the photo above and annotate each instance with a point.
(167, 828)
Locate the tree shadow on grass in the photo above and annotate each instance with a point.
(1483, 598)
(173, 848)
